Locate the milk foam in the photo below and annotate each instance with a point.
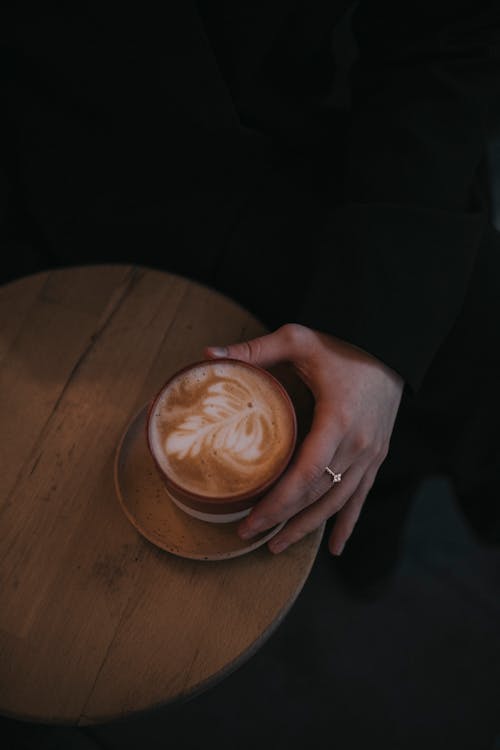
(221, 429)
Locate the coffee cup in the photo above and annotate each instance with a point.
(221, 433)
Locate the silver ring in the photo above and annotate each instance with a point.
(333, 475)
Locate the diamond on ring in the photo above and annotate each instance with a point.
(333, 475)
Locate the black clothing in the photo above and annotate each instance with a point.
(145, 137)
(207, 140)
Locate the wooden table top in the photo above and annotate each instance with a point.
(97, 622)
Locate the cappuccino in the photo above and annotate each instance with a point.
(222, 429)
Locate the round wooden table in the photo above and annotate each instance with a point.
(96, 621)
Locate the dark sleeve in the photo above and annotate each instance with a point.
(397, 254)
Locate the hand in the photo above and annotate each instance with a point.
(356, 401)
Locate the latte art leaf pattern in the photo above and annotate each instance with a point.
(230, 423)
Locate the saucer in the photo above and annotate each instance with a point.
(148, 506)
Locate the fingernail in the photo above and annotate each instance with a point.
(278, 546)
(253, 528)
(338, 549)
(218, 351)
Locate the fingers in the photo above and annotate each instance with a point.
(279, 346)
(356, 405)
(348, 516)
(346, 499)
(313, 516)
(305, 479)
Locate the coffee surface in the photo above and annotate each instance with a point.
(221, 429)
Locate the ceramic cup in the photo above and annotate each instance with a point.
(221, 433)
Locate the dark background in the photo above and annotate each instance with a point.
(417, 665)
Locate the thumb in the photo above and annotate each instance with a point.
(264, 351)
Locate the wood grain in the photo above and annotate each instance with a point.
(95, 621)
